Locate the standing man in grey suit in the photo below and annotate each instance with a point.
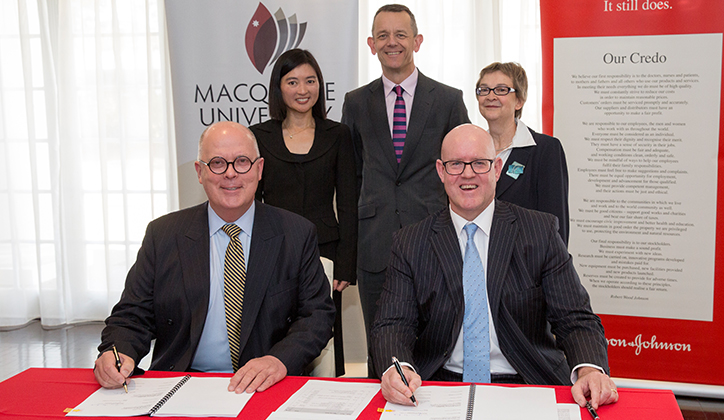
(179, 290)
(397, 181)
(531, 319)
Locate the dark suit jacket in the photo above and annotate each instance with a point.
(288, 312)
(393, 195)
(542, 315)
(306, 184)
(543, 185)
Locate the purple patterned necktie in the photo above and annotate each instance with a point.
(399, 123)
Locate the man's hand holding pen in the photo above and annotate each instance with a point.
(394, 389)
(106, 372)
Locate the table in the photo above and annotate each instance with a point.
(44, 393)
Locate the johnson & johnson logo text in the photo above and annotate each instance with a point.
(650, 344)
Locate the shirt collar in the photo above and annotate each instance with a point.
(522, 137)
(408, 85)
(245, 222)
(484, 220)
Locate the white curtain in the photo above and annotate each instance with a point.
(87, 161)
(86, 140)
(460, 37)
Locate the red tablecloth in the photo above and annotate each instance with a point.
(43, 393)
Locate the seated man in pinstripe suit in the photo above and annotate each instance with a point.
(538, 322)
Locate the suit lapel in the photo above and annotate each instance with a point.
(421, 106)
(266, 240)
(520, 155)
(445, 245)
(503, 235)
(193, 246)
(377, 107)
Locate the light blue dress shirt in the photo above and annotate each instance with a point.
(212, 354)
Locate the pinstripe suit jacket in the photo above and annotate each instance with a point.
(288, 311)
(541, 312)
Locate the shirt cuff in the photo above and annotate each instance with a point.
(574, 372)
(403, 364)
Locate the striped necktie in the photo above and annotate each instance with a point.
(476, 337)
(234, 278)
(399, 123)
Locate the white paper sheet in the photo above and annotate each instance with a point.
(327, 400)
(490, 402)
(198, 397)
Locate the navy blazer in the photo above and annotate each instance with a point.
(393, 195)
(541, 312)
(543, 185)
(288, 311)
(306, 185)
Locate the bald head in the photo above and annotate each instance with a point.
(468, 134)
(471, 191)
(231, 128)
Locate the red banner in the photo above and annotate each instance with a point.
(682, 341)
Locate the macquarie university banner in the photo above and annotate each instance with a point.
(633, 89)
(222, 53)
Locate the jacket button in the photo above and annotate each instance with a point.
(171, 367)
(397, 212)
(399, 183)
(169, 321)
(289, 320)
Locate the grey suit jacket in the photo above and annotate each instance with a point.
(392, 195)
(288, 311)
(542, 314)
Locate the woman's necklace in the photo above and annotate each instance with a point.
(503, 148)
(291, 135)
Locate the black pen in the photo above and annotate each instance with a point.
(118, 366)
(591, 411)
(404, 380)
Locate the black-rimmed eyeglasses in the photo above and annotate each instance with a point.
(219, 165)
(498, 90)
(479, 166)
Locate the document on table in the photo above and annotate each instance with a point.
(433, 402)
(515, 403)
(178, 396)
(477, 402)
(327, 400)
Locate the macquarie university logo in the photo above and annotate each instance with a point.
(266, 34)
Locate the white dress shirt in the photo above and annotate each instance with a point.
(498, 363)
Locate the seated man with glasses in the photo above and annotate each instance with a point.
(230, 285)
(485, 291)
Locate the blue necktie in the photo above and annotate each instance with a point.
(476, 337)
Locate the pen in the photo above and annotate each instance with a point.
(118, 366)
(404, 380)
(591, 411)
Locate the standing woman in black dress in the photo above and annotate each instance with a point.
(309, 168)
